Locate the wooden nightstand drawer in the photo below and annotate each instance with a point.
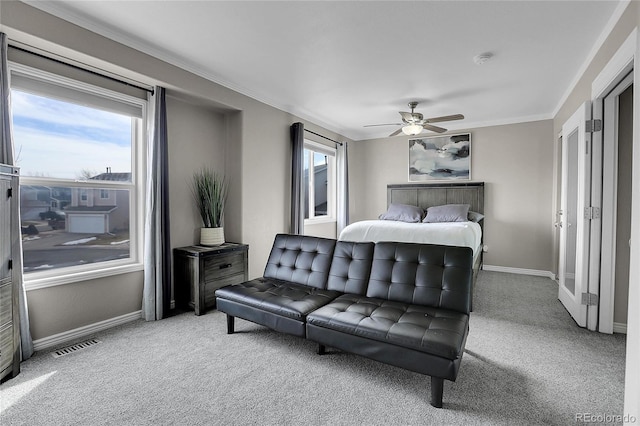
(223, 266)
(199, 271)
(211, 286)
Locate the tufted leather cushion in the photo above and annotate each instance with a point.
(422, 274)
(350, 267)
(279, 297)
(434, 331)
(300, 259)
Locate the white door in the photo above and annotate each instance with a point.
(574, 227)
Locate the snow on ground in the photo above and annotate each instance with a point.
(43, 267)
(115, 243)
(80, 241)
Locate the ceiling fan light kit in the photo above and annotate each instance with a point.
(412, 129)
(413, 123)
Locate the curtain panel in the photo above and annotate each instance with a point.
(7, 157)
(342, 202)
(297, 194)
(156, 297)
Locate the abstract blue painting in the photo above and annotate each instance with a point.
(440, 158)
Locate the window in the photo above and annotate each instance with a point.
(319, 182)
(78, 216)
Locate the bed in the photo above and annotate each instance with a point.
(425, 195)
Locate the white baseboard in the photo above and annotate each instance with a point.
(619, 327)
(78, 333)
(520, 271)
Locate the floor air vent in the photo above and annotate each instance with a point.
(75, 348)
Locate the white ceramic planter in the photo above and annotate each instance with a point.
(211, 236)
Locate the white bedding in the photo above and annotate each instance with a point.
(464, 234)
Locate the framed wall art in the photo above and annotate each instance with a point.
(440, 158)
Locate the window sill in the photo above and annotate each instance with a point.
(319, 221)
(40, 282)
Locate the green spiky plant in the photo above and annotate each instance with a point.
(210, 192)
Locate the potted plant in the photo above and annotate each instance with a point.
(210, 192)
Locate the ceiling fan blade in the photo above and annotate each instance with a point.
(397, 132)
(434, 128)
(444, 118)
(376, 125)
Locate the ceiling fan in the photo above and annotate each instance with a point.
(413, 123)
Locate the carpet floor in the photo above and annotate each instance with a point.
(526, 363)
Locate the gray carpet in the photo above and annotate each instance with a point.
(526, 363)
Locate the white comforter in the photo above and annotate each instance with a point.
(464, 234)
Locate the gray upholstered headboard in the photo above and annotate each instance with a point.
(425, 195)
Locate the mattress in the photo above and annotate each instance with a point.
(462, 234)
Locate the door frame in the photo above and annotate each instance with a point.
(619, 67)
(610, 204)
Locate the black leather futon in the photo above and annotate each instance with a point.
(403, 304)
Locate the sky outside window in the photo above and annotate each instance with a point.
(58, 139)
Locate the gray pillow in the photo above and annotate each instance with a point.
(403, 213)
(447, 213)
(475, 216)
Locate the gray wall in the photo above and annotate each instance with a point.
(515, 162)
(197, 138)
(325, 230)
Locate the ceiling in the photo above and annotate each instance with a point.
(346, 64)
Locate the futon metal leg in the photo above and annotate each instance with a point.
(230, 324)
(321, 349)
(437, 385)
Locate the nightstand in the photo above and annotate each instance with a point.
(200, 270)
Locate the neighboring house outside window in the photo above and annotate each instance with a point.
(319, 182)
(77, 220)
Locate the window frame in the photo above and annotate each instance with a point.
(91, 271)
(331, 216)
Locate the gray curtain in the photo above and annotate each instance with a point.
(297, 197)
(6, 157)
(157, 244)
(342, 160)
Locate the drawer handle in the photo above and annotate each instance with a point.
(226, 265)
